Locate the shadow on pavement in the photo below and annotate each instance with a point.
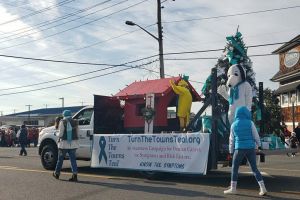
(275, 183)
(152, 189)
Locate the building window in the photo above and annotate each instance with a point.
(139, 109)
(284, 99)
(171, 112)
(31, 122)
(291, 95)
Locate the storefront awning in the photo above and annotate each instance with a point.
(288, 87)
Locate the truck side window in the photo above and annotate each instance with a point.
(84, 117)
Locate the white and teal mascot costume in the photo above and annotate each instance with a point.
(237, 91)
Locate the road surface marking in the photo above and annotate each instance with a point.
(275, 169)
(251, 173)
(291, 192)
(12, 168)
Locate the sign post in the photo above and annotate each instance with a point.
(149, 113)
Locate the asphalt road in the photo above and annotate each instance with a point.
(24, 178)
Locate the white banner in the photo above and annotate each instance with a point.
(186, 152)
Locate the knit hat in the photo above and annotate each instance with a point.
(67, 113)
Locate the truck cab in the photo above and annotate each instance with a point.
(48, 139)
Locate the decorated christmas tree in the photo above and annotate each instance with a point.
(235, 52)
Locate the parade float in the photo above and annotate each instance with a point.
(146, 126)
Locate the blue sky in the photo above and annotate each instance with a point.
(106, 39)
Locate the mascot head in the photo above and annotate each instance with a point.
(236, 74)
(183, 83)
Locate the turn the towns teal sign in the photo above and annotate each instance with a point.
(185, 153)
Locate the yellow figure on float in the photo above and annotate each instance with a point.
(184, 102)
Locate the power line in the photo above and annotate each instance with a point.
(212, 50)
(124, 64)
(85, 79)
(47, 23)
(54, 21)
(88, 46)
(128, 67)
(168, 75)
(232, 15)
(82, 74)
(55, 61)
(201, 58)
(214, 58)
(172, 53)
(37, 12)
(92, 21)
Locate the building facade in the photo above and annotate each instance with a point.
(40, 117)
(288, 78)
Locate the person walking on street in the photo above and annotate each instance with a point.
(242, 140)
(68, 143)
(23, 140)
(297, 131)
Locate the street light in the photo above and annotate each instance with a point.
(293, 100)
(160, 44)
(130, 23)
(29, 106)
(62, 102)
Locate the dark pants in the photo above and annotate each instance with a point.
(23, 150)
(61, 155)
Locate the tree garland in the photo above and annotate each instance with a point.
(148, 114)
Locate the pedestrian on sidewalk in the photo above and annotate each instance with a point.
(242, 140)
(68, 143)
(294, 143)
(297, 131)
(23, 139)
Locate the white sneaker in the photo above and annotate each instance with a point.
(230, 191)
(262, 191)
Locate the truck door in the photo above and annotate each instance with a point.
(85, 131)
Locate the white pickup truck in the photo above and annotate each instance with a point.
(48, 139)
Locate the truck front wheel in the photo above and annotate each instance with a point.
(49, 156)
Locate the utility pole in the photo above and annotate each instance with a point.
(160, 40)
(62, 102)
(29, 113)
(46, 106)
(261, 106)
(1, 119)
(82, 103)
(214, 121)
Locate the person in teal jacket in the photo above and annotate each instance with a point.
(243, 141)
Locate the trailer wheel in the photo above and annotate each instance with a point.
(49, 156)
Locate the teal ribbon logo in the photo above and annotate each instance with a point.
(102, 154)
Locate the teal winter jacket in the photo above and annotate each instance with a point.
(242, 129)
